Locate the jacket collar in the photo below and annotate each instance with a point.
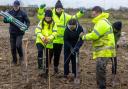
(54, 12)
(47, 23)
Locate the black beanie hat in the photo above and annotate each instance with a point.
(117, 25)
(59, 4)
(48, 13)
(16, 3)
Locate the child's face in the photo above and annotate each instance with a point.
(48, 19)
(16, 8)
(72, 27)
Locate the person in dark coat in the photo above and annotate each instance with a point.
(72, 44)
(117, 26)
(16, 35)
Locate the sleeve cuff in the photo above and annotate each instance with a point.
(84, 37)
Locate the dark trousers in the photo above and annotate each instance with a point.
(67, 58)
(49, 53)
(16, 46)
(101, 72)
(114, 65)
(57, 51)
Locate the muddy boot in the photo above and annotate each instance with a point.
(40, 63)
(56, 70)
(115, 80)
(66, 76)
(21, 60)
(40, 72)
(71, 77)
(113, 83)
(66, 79)
(47, 71)
(77, 80)
(14, 61)
(44, 75)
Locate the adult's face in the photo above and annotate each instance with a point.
(16, 8)
(94, 14)
(59, 10)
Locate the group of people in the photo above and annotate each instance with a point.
(59, 22)
(57, 29)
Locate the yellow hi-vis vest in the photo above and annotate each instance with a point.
(44, 31)
(103, 37)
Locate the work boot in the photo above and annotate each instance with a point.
(44, 75)
(40, 72)
(46, 71)
(14, 62)
(56, 70)
(65, 76)
(21, 60)
(102, 86)
(40, 63)
(71, 77)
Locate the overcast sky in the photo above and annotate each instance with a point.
(74, 3)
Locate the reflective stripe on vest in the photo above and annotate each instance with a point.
(64, 20)
(37, 33)
(108, 32)
(102, 48)
(39, 28)
(60, 36)
(62, 26)
(97, 33)
(54, 30)
(107, 21)
(111, 30)
(53, 36)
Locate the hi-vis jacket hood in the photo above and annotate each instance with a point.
(101, 16)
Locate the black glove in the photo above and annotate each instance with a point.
(42, 6)
(8, 20)
(82, 10)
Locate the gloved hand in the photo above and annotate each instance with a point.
(82, 10)
(8, 19)
(50, 38)
(42, 6)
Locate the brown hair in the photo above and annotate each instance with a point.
(97, 9)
